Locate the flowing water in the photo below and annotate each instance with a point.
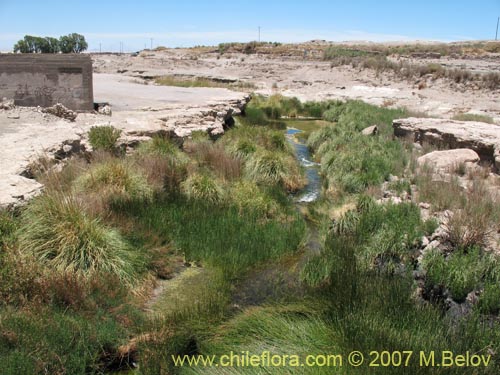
(312, 190)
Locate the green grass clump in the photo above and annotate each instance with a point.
(203, 187)
(462, 272)
(160, 146)
(56, 230)
(115, 181)
(473, 117)
(350, 161)
(249, 197)
(222, 236)
(103, 138)
(55, 342)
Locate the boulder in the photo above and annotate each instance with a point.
(480, 137)
(448, 160)
(371, 130)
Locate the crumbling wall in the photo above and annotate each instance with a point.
(46, 79)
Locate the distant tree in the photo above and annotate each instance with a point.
(27, 45)
(52, 45)
(22, 46)
(72, 43)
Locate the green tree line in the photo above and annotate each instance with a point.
(71, 43)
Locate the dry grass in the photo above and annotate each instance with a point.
(203, 82)
(215, 157)
(472, 224)
(473, 117)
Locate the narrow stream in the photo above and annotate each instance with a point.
(313, 187)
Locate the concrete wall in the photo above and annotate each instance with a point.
(46, 79)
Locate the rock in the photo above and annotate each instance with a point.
(105, 110)
(432, 245)
(439, 233)
(424, 206)
(17, 190)
(7, 104)
(61, 111)
(425, 241)
(448, 161)
(480, 137)
(371, 130)
(14, 116)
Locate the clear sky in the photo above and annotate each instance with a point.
(190, 22)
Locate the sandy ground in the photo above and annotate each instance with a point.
(317, 80)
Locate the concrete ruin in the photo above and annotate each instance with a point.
(46, 79)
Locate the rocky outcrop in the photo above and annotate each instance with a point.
(61, 111)
(481, 137)
(448, 160)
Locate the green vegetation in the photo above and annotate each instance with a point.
(351, 161)
(71, 43)
(104, 137)
(473, 117)
(203, 82)
(210, 225)
(55, 229)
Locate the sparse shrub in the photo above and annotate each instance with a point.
(471, 225)
(163, 172)
(443, 194)
(215, 157)
(204, 188)
(58, 232)
(104, 138)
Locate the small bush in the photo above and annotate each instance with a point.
(204, 188)
(104, 138)
(472, 225)
(57, 231)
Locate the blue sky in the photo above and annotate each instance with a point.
(189, 22)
